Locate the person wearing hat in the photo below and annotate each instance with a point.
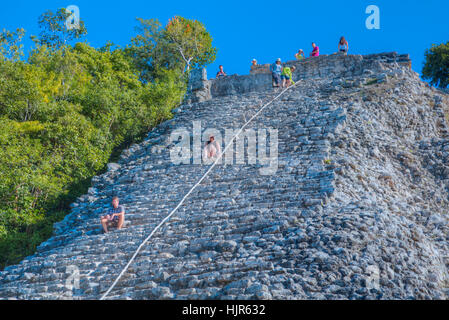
(300, 55)
(253, 66)
(276, 70)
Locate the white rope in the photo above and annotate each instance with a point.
(190, 192)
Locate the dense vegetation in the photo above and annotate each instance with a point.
(436, 65)
(67, 108)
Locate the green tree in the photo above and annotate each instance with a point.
(190, 41)
(142, 47)
(55, 32)
(181, 45)
(436, 65)
(69, 108)
(11, 47)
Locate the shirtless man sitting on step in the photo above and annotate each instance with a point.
(115, 216)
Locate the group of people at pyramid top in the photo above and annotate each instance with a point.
(282, 76)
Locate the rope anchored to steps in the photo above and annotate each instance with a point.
(191, 190)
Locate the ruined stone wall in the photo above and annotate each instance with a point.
(324, 66)
(357, 208)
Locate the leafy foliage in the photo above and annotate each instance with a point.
(54, 30)
(436, 65)
(10, 44)
(68, 108)
(190, 40)
(180, 46)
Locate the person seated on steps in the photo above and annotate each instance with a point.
(115, 217)
(286, 76)
(212, 149)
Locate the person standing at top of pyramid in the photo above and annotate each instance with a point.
(276, 70)
(315, 51)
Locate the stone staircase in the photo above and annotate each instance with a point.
(295, 234)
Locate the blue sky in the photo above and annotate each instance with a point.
(264, 30)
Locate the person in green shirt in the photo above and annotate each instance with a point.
(286, 76)
(300, 55)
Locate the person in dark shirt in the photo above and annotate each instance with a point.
(115, 216)
(221, 73)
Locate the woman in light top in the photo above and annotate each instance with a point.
(343, 45)
(212, 149)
